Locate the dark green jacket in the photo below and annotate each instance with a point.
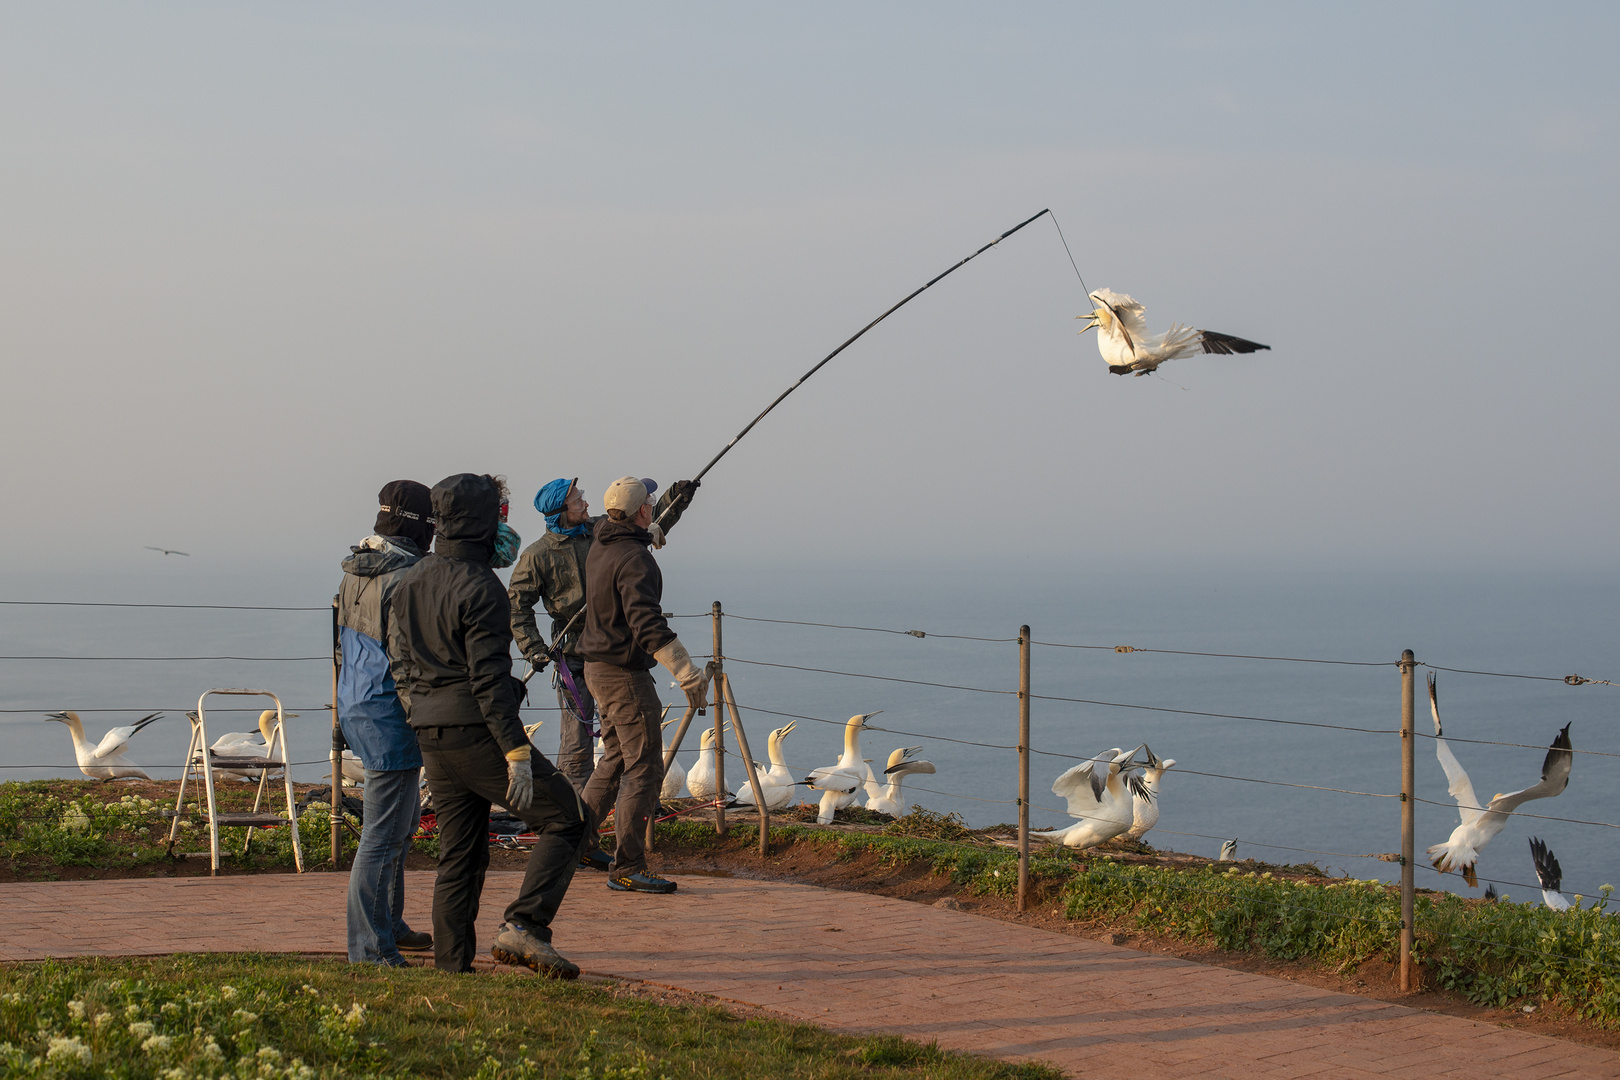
(552, 569)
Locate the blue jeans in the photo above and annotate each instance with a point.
(377, 878)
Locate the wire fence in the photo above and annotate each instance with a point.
(799, 767)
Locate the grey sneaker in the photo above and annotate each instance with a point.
(518, 946)
(640, 881)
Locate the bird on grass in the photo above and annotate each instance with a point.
(902, 763)
(700, 781)
(1228, 851)
(105, 760)
(1145, 811)
(776, 782)
(247, 744)
(1550, 874)
(1128, 348)
(1480, 823)
(1099, 793)
(839, 781)
(675, 775)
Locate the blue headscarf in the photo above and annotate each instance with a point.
(551, 501)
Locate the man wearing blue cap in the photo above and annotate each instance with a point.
(552, 570)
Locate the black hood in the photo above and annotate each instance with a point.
(466, 511)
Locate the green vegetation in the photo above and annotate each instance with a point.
(48, 824)
(272, 1017)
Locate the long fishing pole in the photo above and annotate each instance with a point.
(679, 504)
(801, 380)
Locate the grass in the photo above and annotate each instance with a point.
(261, 1016)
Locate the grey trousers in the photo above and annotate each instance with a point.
(466, 771)
(574, 750)
(631, 772)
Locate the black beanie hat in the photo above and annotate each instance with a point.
(406, 509)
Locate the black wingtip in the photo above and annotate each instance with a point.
(1548, 872)
(1562, 742)
(1226, 344)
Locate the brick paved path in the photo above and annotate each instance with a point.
(852, 961)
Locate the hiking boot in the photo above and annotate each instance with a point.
(517, 945)
(595, 859)
(640, 881)
(415, 940)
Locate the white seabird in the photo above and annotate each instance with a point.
(700, 781)
(1099, 793)
(1550, 874)
(1145, 811)
(675, 775)
(1228, 851)
(901, 765)
(105, 760)
(1128, 348)
(1480, 823)
(239, 744)
(776, 782)
(839, 782)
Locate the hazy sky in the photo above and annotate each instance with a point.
(255, 260)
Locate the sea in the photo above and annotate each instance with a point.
(1277, 693)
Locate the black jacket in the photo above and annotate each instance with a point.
(449, 629)
(624, 592)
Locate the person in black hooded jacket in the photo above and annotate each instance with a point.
(449, 647)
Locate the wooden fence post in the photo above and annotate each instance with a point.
(1408, 829)
(715, 615)
(1023, 768)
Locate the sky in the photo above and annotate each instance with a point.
(258, 259)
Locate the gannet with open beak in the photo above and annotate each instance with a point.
(107, 759)
(1128, 348)
(1550, 874)
(1480, 823)
(776, 782)
(1099, 793)
(839, 782)
(901, 764)
(1145, 811)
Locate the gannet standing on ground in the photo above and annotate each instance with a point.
(1145, 812)
(839, 782)
(1228, 851)
(1479, 823)
(776, 782)
(700, 781)
(105, 760)
(1124, 341)
(1099, 793)
(1550, 874)
(901, 765)
(675, 775)
(235, 744)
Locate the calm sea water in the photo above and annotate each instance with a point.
(1531, 624)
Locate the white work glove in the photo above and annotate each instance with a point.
(693, 679)
(657, 535)
(519, 782)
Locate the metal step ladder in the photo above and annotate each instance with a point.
(201, 761)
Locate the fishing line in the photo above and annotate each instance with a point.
(1070, 254)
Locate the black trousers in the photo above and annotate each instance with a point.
(466, 771)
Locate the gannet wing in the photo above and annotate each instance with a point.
(1226, 344)
(112, 742)
(1554, 776)
(1126, 310)
(1550, 874)
(1461, 788)
(1080, 786)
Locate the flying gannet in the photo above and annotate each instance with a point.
(1480, 823)
(839, 782)
(105, 760)
(1550, 874)
(1099, 793)
(776, 782)
(901, 765)
(1145, 811)
(1128, 348)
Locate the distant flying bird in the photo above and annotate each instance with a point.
(105, 760)
(1128, 348)
(167, 551)
(1480, 823)
(1550, 874)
